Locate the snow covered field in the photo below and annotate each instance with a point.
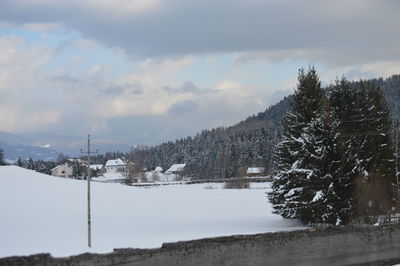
(41, 213)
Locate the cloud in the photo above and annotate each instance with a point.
(67, 78)
(188, 87)
(184, 107)
(70, 84)
(134, 88)
(41, 27)
(335, 32)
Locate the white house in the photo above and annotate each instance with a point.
(63, 170)
(115, 165)
(255, 171)
(176, 169)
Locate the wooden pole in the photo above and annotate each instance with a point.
(396, 135)
(89, 221)
(88, 195)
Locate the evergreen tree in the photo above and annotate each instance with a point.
(344, 103)
(19, 162)
(30, 164)
(365, 147)
(292, 173)
(318, 196)
(375, 161)
(2, 157)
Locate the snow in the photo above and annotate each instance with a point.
(158, 169)
(96, 166)
(115, 162)
(176, 168)
(318, 196)
(156, 177)
(255, 170)
(41, 213)
(110, 176)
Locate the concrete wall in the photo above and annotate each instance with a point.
(331, 246)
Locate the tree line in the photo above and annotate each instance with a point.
(226, 152)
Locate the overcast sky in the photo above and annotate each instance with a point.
(144, 71)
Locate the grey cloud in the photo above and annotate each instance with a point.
(113, 90)
(336, 32)
(188, 87)
(64, 79)
(183, 107)
(133, 88)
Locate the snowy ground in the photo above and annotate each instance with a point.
(41, 213)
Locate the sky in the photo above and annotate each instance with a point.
(147, 71)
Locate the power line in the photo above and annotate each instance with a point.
(370, 133)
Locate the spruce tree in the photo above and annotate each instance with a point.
(289, 194)
(319, 197)
(2, 157)
(376, 166)
(365, 148)
(344, 101)
(19, 162)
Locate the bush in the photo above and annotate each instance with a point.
(237, 184)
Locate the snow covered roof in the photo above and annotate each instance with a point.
(255, 170)
(59, 166)
(176, 168)
(158, 169)
(55, 168)
(115, 162)
(96, 166)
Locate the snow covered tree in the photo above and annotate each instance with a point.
(344, 101)
(30, 164)
(365, 147)
(375, 161)
(323, 202)
(295, 172)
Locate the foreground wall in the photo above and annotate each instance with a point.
(331, 246)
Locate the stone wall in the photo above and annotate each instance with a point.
(328, 246)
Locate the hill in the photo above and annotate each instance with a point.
(228, 152)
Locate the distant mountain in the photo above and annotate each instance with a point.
(12, 152)
(48, 146)
(222, 152)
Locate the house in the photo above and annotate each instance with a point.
(176, 169)
(255, 171)
(96, 167)
(158, 170)
(63, 170)
(115, 165)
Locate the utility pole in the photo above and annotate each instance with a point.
(88, 191)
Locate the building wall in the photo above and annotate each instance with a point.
(63, 171)
(334, 246)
